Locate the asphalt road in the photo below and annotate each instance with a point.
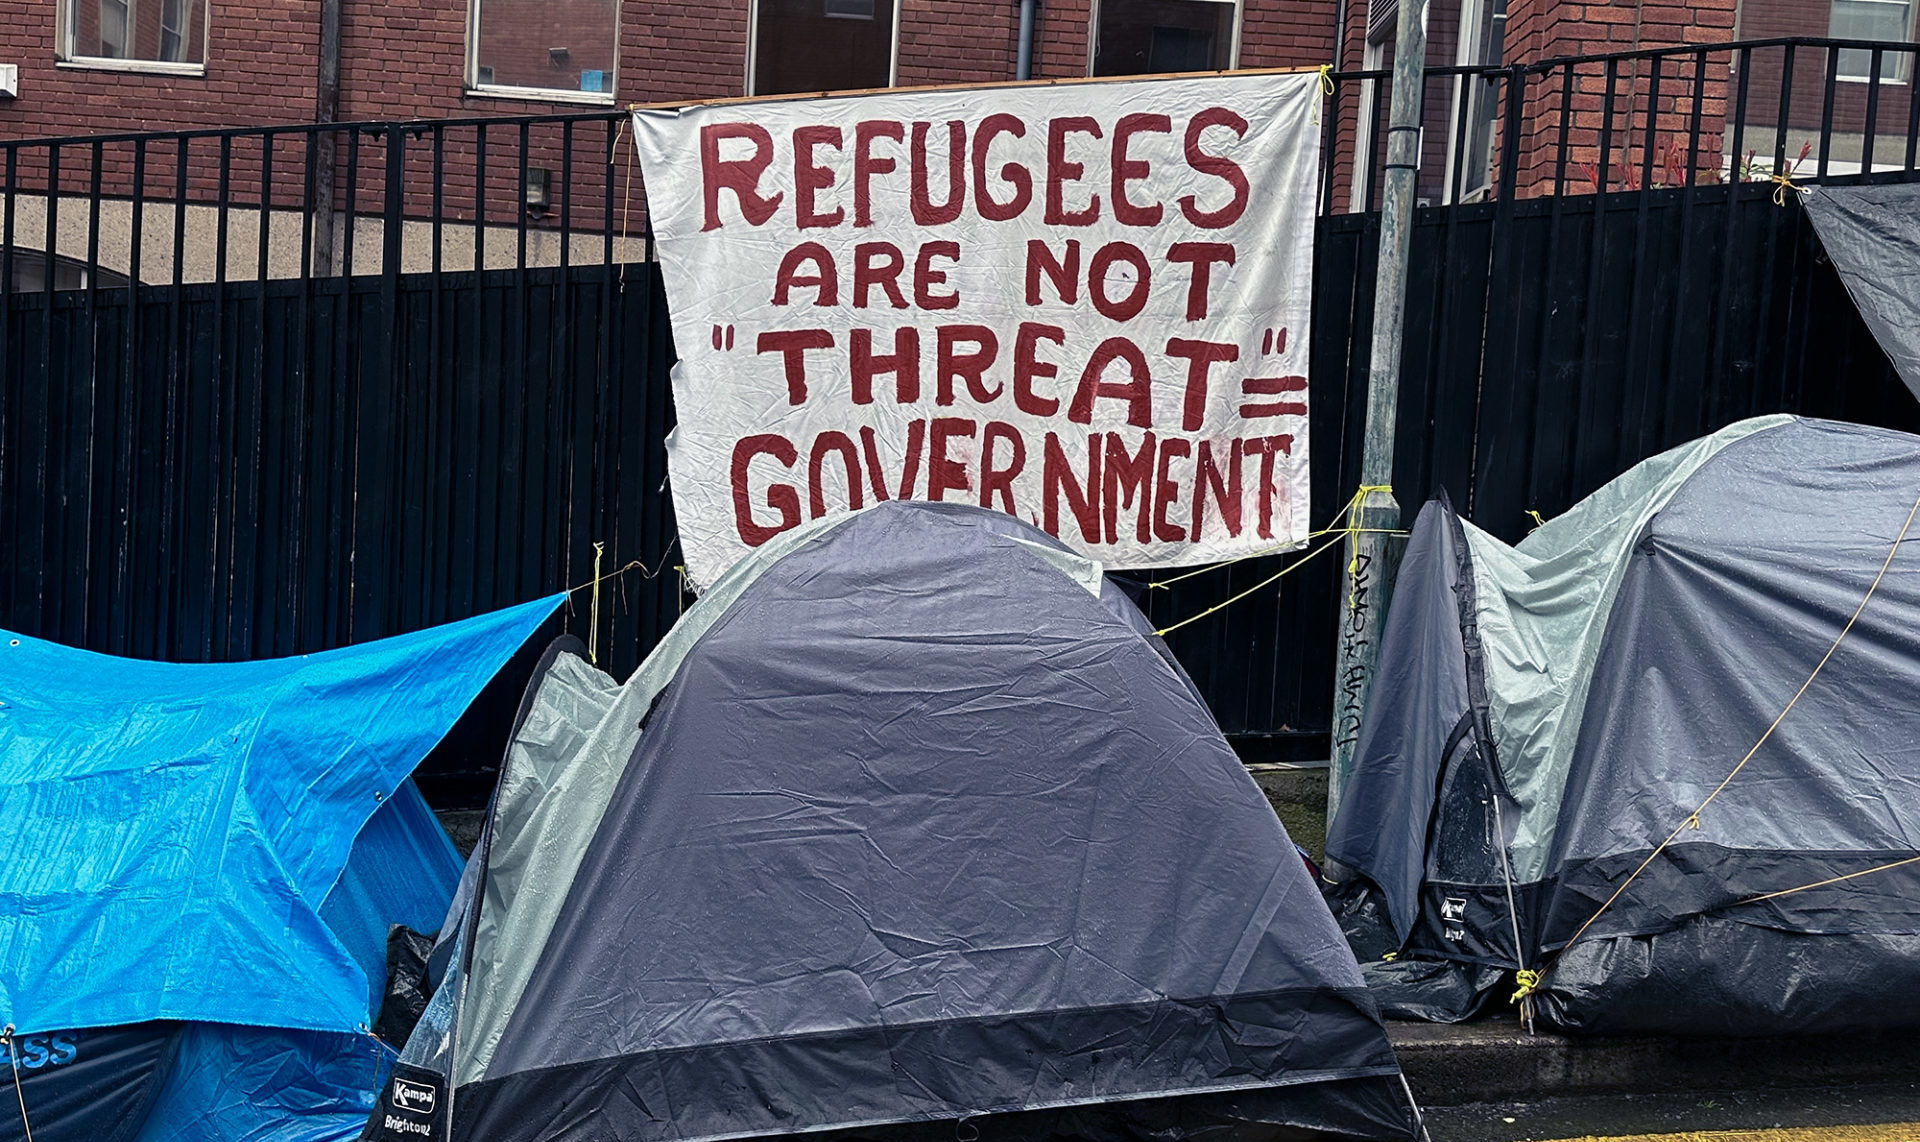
(1881, 1112)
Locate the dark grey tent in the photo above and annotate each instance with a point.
(910, 827)
(1872, 236)
(1548, 713)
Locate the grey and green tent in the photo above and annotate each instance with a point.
(909, 828)
(1548, 714)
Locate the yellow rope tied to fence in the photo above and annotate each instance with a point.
(1782, 183)
(1692, 820)
(1353, 531)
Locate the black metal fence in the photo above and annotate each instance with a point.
(237, 453)
(1693, 116)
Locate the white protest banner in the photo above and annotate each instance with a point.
(1084, 304)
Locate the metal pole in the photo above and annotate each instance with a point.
(326, 109)
(1369, 579)
(1023, 66)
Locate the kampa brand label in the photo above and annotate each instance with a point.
(412, 1097)
(1453, 909)
(1455, 934)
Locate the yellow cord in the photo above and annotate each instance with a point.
(1351, 529)
(1782, 183)
(1528, 981)
(1353, 532)
(1824, 883)
(593, 612)
(1268, 581)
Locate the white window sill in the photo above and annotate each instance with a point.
(149, 66)
(1863, 80)
(541, 95)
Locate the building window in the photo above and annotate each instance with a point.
(1157, 37)
(1469, 169)
(543, 49)
(154, 35)
(1872, 20)
(821, 45)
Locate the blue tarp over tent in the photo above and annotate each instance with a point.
(221, 848)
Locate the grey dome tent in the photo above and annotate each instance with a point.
(1548, 714)
(908, 828)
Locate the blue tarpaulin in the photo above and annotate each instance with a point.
(175, 832)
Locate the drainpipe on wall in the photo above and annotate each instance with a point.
(1023, 66)
(1339, 60)
(326, 109)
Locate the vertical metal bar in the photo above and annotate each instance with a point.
(85, 515)
(353, 209)
(137, 224)
(1649, 141)
(1373, 149)
(389, 449)
(344, 384)
(511, 581)
(52, 244)
(563, 302)
(173, 512)
(566, 196)
(1873, 114)
(1590, 331)
(1566, 116)
(1606, 133)
(267, 139)
(479, 211)
(1693, 120)
(307, 197)
(1516, 110)
(1462, 96)
(300, 407)
(438, 523)
(259, 592)
(614, 132)
(520, 198)
(1786, 109)
(1736, 171)
(439, 204)
(9, 420)
(1329, 139)
(124, 573)
(1913, 104)
(219, 619)
(1826, 108)
(603, 342)
(93, 224)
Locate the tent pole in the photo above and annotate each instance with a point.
(1369, 579)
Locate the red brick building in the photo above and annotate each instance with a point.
(102, 66)
(105, 65)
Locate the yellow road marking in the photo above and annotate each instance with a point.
(1892, 1132)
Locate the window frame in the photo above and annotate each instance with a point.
(1473, 36)
(1233, 49)
(748, 82)
(65, 28)
(472, 87)
(1903, 61)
